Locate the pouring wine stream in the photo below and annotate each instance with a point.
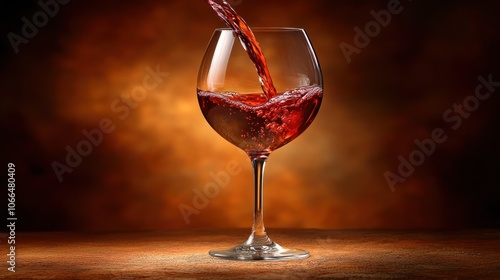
(248, 41)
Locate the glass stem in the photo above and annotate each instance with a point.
(259, 237)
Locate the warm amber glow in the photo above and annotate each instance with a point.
(90, 62)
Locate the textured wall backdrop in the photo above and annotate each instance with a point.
(85, 69)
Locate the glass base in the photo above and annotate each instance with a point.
(269, 252)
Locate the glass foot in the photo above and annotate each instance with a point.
(268, 252)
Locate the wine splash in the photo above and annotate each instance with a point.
(257, 126)
(248, 41)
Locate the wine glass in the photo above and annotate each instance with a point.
(232, 101)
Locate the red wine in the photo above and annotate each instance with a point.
(258, 126)
(248, 41)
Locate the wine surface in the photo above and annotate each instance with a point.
(257, 127)
(248, 41)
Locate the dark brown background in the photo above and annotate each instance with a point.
(395, 91)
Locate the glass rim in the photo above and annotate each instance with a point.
(266, 29)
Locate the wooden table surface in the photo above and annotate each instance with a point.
(182, 254)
